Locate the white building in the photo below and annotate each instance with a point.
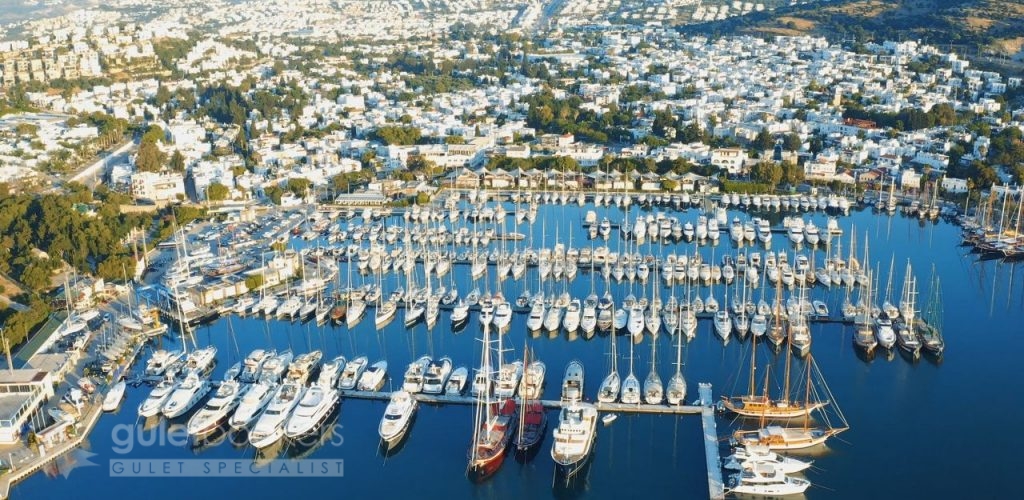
(730, 159)
(954, 185)
(910, 179)
(21, 392)
(157, 187)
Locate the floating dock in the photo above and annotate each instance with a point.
(440, 399)
(716, 488)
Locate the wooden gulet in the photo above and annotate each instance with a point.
(777, 437)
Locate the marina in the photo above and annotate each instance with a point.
(704, 355)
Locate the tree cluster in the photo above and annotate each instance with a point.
(149, 157)
(396, 135)
(50, 223)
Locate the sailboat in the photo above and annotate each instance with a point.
(763, 406)
(608, 391)
(631, 385)
(676, 392)
(906, 336)
(493, 425)
(654, 391)
(930, 326)
(863, 335)
(534, 419)
(777, 437)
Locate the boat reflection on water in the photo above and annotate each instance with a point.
(306, 445)
(213, 438)
(387, 450)
(266, 456)
(239, 439)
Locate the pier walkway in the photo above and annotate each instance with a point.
(548, 403)
(24, 469)
(716, 488)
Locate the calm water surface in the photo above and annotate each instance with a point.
(927, 428)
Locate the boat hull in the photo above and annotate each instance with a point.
(567, 472)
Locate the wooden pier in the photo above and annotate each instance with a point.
(716, 488)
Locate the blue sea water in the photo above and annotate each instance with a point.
(940, 428)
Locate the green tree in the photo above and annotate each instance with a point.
(767, 172)
(763, 141)
(177, 163)
(217, 192)
(299, 186)
(792, 174)
(149, 157)
(394, 135)
(253, 281)
(26, 129)
(274, 194)
(793, 142)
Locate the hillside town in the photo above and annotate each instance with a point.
(643, 92)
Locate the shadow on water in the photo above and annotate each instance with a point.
(576, 485)
(211, 439)
(304, 446)
(385, 450)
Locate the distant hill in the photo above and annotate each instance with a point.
(988, 31)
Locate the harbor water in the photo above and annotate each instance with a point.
(918, 428)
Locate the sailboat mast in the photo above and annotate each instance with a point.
(807, 391)
(789, 356)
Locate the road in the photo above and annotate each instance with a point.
(549, 11)
(93, 174)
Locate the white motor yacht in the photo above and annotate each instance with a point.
(313, 409)
(766, 479)
(353, 371)
(457, 382)
(217, 409)
(201, 361)
(269, 426)
(186, 395)
(502, 315)
(157, 397)
(535, 320)
(373, 377)
(273, 368)
(414, 375)
(437, 376)
(746, 455)
(574, 439)
(397, 417)
(252, 404)
(114, 396)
